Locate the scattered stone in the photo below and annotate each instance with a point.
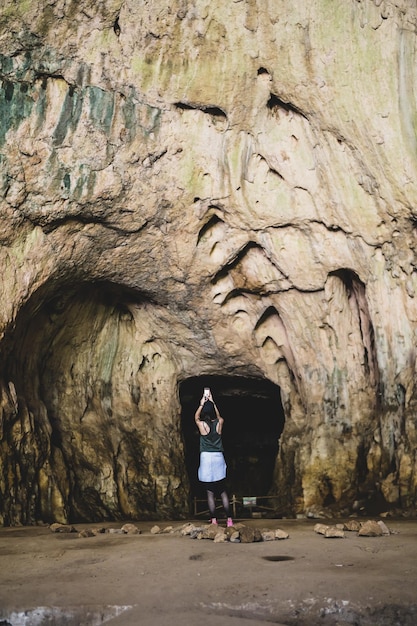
(98, 531)
(352, 525)
(247, 535)
(197, 532)
(268, 535)
(131, 529)
(187, 529)
(320, 529)
(205, 531)
(384, 528)
(155, 529)
(86, 532)
(167, 530)
(371, 528)
(239, 533)
(235, 537)
(211, 531)
(332, 532)
(62, 528)
(115, 531)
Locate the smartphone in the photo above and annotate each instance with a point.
(206, 392)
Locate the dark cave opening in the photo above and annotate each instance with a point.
(254, 420)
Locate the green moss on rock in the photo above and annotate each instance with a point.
(70, 115)
(15, 105)
(101, 108)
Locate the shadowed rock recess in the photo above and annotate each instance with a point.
(215, 193)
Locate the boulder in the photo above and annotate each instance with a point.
(370, 528)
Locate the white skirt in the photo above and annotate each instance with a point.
(212, 467)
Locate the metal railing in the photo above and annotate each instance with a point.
(242, 505)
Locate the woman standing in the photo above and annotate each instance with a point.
(212, 470)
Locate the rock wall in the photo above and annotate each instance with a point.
(205, 188)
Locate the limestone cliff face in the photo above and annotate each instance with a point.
(205, 188)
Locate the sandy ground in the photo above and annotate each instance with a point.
(167, 579)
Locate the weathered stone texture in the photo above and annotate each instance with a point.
(205, 188)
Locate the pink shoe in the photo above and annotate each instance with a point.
(214, 521)
(229, 522)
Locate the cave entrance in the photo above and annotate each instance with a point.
(254, 420)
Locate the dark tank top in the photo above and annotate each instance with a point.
(212, 442)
